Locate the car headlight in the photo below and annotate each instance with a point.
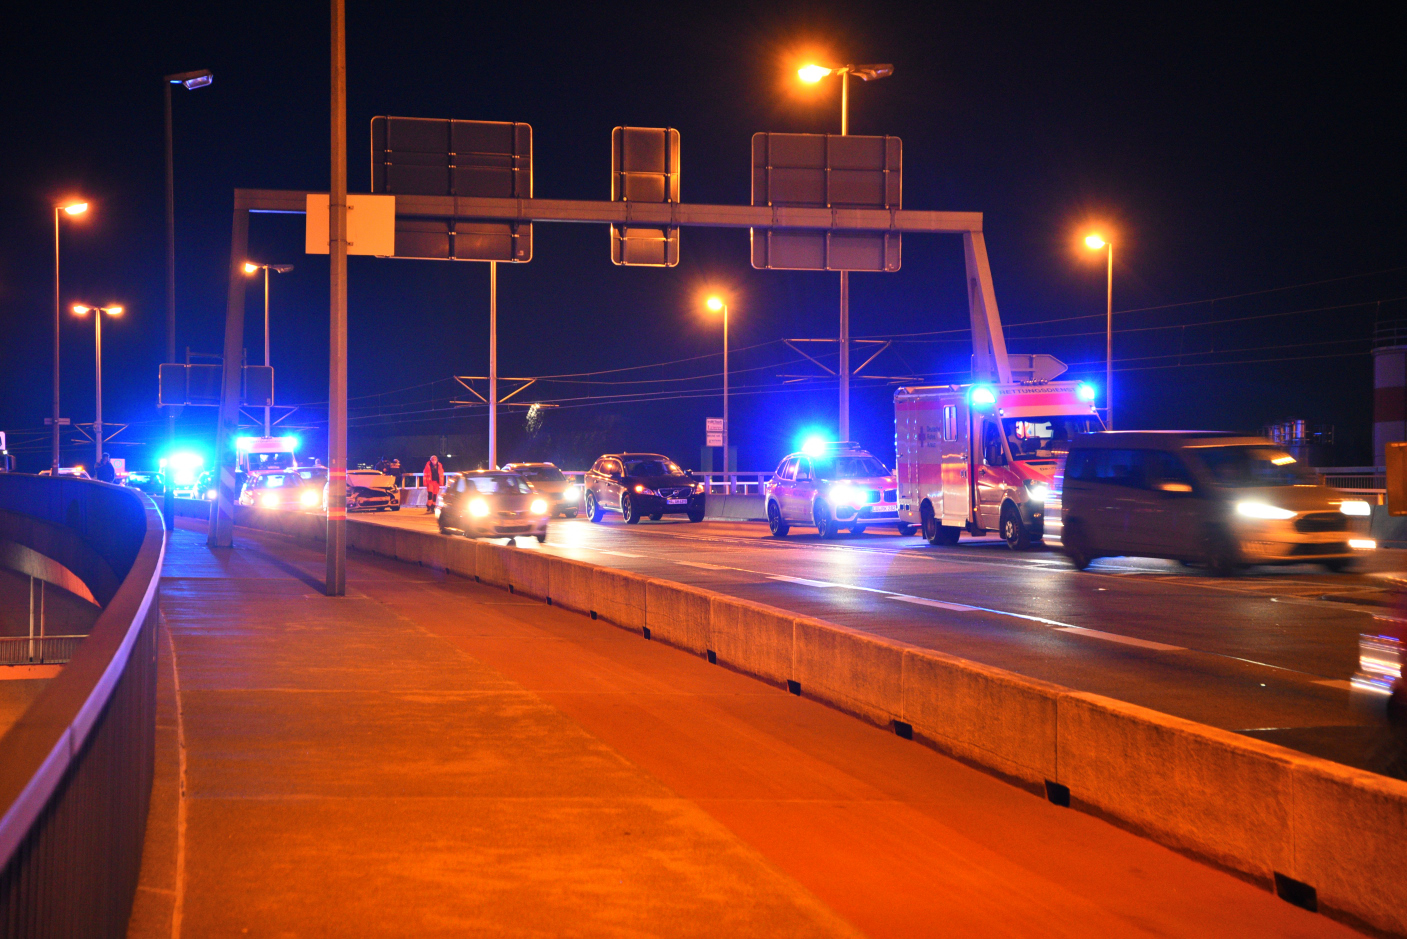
(1261, 510)
(310, 498)
(1035, 491)
(270, 500)
(846, 495)
(1355, 507)
(1362, 544)
(571, 494)
(478, 508)
(645, 490)
(539, 507)
(698, 487)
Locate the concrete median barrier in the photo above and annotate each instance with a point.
(982, 715)
(848, 669)
(1332, 834)
(752, 638)
(678, 615)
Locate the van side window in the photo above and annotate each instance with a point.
(1166, 468)
(950, 422)
(1120, 468)
(992, 444)
(1080, 465)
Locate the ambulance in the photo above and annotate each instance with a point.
(980, 458)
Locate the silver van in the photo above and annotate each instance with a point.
(1200, 497)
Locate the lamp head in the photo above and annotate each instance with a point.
(192, 80)
(813, 73)
(80, 309)
(76, 208)
(872, 72)
(281, 268)
(715, 303)
(1094, 242)
(250, 267)
(113, 310)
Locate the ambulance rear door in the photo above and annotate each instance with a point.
(955, 426)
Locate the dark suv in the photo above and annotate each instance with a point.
(641, 484)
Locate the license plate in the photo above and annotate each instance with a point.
(678, 501)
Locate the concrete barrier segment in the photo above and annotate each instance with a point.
(1348, 842)
(1209, 792)
(619, 597)
(529, 573)
(461, 557)
(982, 715)
(491, 564)
(753, 638)
(570, 584)
(678, 615)
(857, 673)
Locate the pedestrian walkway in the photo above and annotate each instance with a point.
(433, 757)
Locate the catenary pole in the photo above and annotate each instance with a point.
(337, 364)
(493, 365)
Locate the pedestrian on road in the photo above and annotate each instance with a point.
(434, 481)
(105, 472)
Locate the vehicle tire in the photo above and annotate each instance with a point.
(445, 529)
(905, 529)
(775, 521)
(1014, 532)
(1220, 554)
(823, 520)
(570, 513)
(656, 516)
(696, 515)
(1337, 565)
(542, 538)
(857, 529)
(396, 509)
(935, 531)
(511, 542)
(1077, 547)
(628, 510)
(593, 508)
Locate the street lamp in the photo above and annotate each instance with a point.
(97, 311)
(717, 304)
(812, 74)
(69, 208)
(251, 268)
(1094, 242)
(190, 81)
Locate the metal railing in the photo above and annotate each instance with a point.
(744, 484)
(76, 767)
(40, 650)
(1354, 478)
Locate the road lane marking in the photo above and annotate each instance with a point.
(802, 580)
(1124, 640)
(707, 567)
(619, 554)
(938, 604)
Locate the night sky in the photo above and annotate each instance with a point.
(1244, 154)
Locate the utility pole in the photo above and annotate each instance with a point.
(493, 365)
(337, 364)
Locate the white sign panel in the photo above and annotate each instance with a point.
(715, 440)
(713, 425)
(371, 224)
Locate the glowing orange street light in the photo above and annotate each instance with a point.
(1095, 242)
(813, 73)
(83, 310)
(718, 304)
(251, 269)
(77, 208)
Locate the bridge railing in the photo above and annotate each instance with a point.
(76, 767)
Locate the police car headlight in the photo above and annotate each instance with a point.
(1037, 492)
(1355, 507)
(539, 507)
(478, 508)
(846, 495)
(1262, 510)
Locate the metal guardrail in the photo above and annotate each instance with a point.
(743, 483)
(41, 650)
(76, 768)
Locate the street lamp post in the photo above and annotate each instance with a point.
(98, 311)
(716, 304)
(191, 81)
(812, 74)
(251, 268)
(72, 208)
(1094, 243)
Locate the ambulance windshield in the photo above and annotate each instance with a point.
(1033, 438)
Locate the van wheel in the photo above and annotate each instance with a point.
(1077, 547)
(1013, 532)
(1220, 554)
(628, 511)
(775, 521)
(593, 508)
(935, 531)
(825, 523)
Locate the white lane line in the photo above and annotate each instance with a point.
(803, 581)
(707, 567)
(1339, 683)
(937, 604)
(619, 554)
(1124, 640)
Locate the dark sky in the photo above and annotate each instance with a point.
(1231, 149)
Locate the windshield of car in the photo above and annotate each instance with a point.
(1246, 467)
(1031, 437)
(652, 468)
(848, 467)
(499, 485)
(542, 474)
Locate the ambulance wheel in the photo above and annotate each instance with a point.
(935, 531)
(775, 521)
(1014, 533)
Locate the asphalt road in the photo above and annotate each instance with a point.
(1268, 654)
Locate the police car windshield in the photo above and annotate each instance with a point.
(545, 474)
(652, 468)
(1045, 436)
(1246, 467)
(499, 485)
(849, 467)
